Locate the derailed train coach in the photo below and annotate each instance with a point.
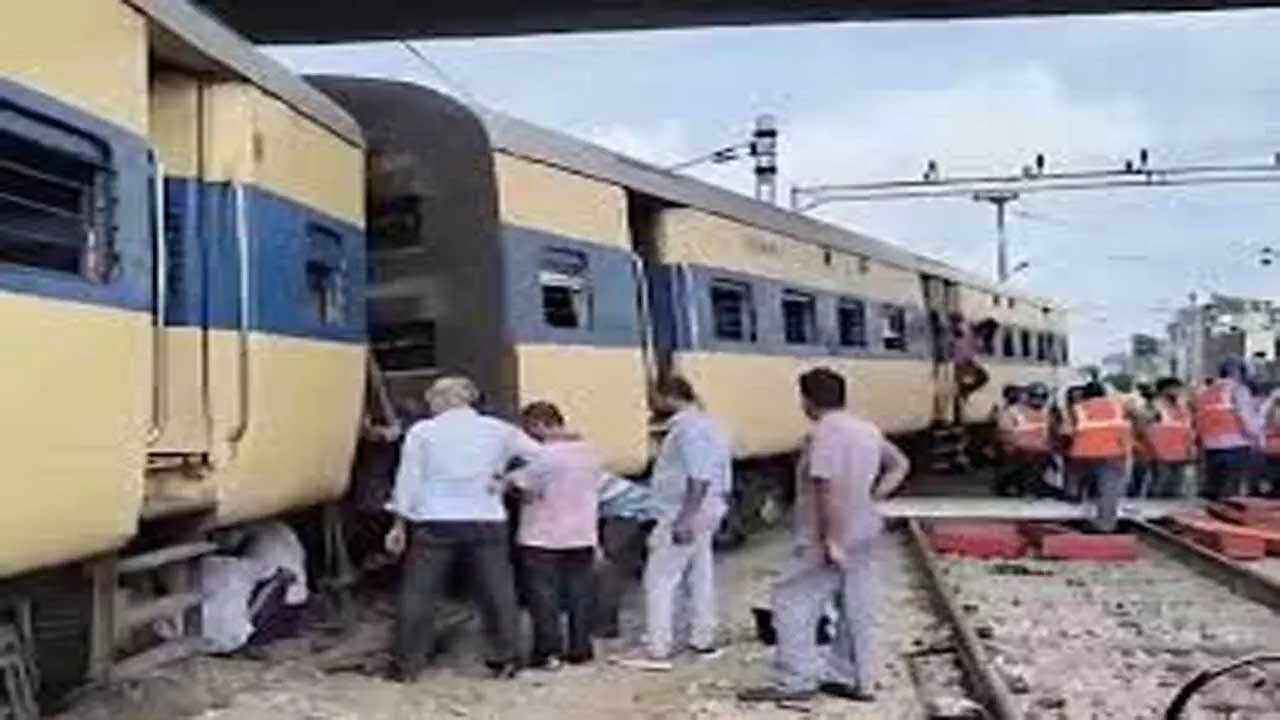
(549, 268)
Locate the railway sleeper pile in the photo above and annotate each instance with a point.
(1239, 528)
(981, 539)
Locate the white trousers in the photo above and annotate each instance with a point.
(671, 567)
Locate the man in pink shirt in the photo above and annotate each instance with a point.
(557, 536)
(845, 465)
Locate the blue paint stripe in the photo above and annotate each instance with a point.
(614, 315)
(34, 116)
(204, 269)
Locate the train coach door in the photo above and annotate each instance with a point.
(941, 302)
(180, 351)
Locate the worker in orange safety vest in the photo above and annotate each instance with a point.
(1269, 415)
(1170, 441)
(1024, 439)
(1101, 433)
(1228, 430)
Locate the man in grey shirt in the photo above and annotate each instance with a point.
(846, 464)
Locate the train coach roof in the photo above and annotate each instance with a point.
(525, 139)
(191, 37)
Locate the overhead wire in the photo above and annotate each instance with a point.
(450, 83)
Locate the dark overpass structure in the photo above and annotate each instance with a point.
(313, 21)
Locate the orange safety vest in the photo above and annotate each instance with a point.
(1030, 431)
(1216, 412)
(1102, 430)
(1171, 437)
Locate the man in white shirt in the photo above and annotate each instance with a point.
(448, 509)
(692, 482)
(846, 464)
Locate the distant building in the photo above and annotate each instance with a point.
(1204, 333)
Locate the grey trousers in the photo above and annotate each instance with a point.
(668, 568)
(799, 597)
(1109, 478)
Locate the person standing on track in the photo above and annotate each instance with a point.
(693, 480)
(1171, 441)
(448, 509)
(1101, 448)
(1228, 431)
(846, 464)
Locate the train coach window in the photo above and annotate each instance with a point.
(895, 328)
(799, 318)
(566, 288)
(733, 311)
(325, 279)
(851, 321)
(52, 209)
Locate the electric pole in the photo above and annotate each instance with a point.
(999, 198)
(764, 148)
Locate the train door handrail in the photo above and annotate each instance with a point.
(242, 320)
(646, 317)
(159, 353)
(686, 283)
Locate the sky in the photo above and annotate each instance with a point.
(869, 102)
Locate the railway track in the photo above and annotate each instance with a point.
(1055, 640)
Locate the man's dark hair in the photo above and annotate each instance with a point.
(1093, 390)
(677, 387)
(543, 413)
(1168, 383)
(823, 387)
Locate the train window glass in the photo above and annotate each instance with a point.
(733, 311)
(799, 318)
(851, 321)
(325, 279)
(895, 328)
(1007, 349)
(566, 288)
(404, 346)
(1026, 343)
(395, 223)
(52, 210)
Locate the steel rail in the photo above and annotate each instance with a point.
(1236, 577)
(985, 681)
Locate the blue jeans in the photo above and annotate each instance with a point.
(1226, 472)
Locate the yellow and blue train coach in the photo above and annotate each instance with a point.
(570, 273)
(182, 275)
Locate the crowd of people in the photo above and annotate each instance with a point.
(580, 532)
(1163, 440)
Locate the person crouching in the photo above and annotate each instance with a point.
(557, 537)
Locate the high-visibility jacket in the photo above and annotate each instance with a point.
(1171, 437)
(1216, 416)
(1028, 429)
(1102, 430)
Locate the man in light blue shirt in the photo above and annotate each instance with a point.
(692, 481)
(448, 509)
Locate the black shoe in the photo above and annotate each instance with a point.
(773, 693)
(502, 670)
(846, 691)
(579, 658)
(398, 674)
